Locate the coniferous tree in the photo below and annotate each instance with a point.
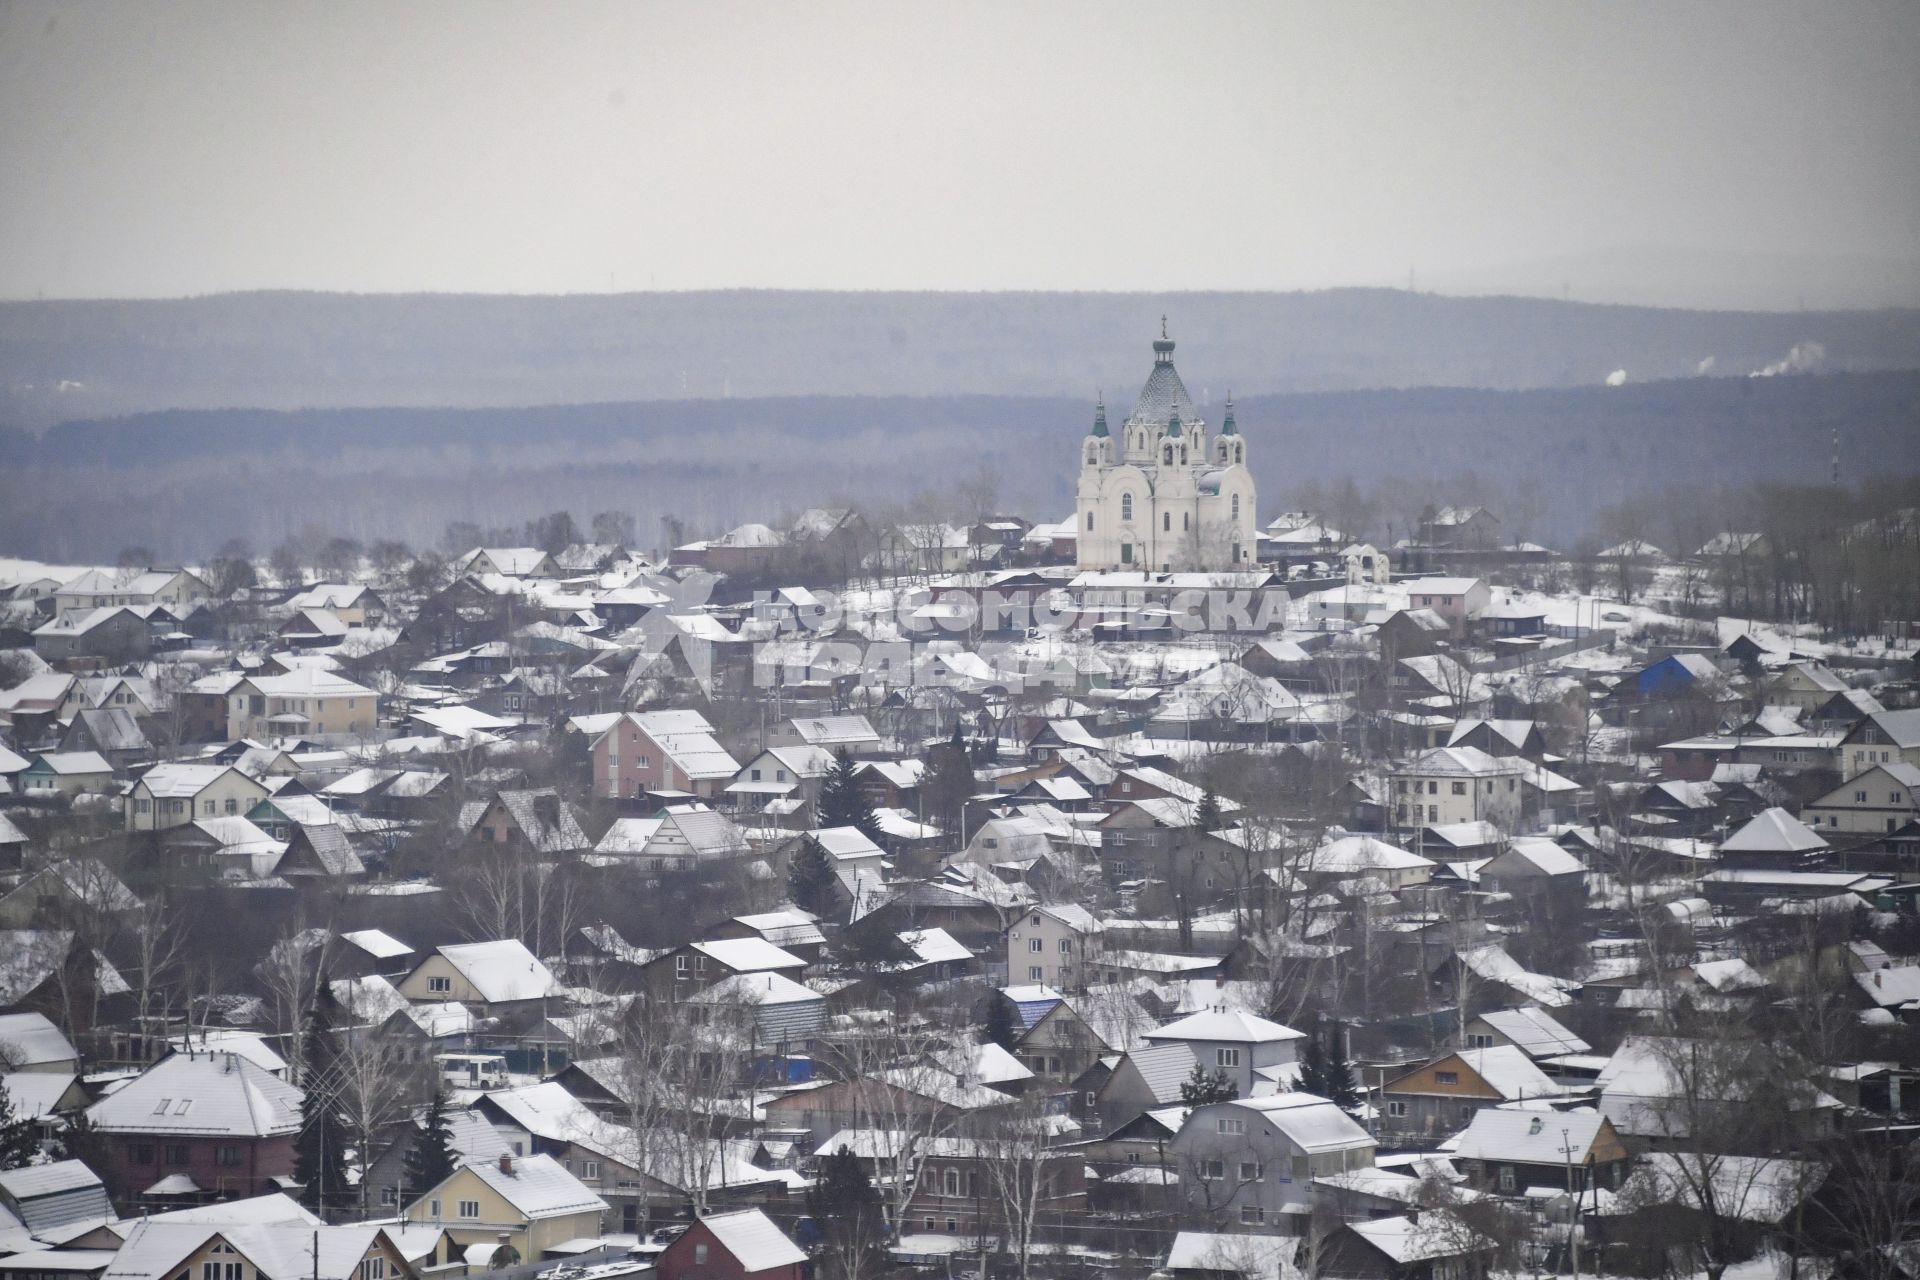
(19, 1139)
(319, 1150)
(810, 878)
(431, 1159)
(1342, 1091)
(847, 1212)
(842, 803)
(1002, 1024)
(1207, 816)
(1327, 1074)
(1202, 1087)
(948, 784)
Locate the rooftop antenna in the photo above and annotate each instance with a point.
(1836, 456)
(1163, 326)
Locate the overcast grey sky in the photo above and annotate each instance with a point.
(157, 148)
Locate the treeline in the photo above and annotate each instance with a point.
(1549, 462)
(74, 359)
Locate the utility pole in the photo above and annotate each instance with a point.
(1573, 1207)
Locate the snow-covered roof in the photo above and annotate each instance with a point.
(1773, 831)
(754, 1241)
(31, 1039)
(502, 970)
(1529, 1137)
(539, 1187)
(1227, 1025)
(1311, 1123)
(201, 1093)
(749, 955)
(1535, 1032)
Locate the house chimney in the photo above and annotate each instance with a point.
(1876, 977)
(506, 1164)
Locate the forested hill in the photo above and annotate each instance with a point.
(80, 359)
(183, 481)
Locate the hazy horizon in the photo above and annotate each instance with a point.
(1712, 156)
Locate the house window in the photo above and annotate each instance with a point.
(779, 775)
(1230, 1124)
(1126, 553)
(227, 1157)
(441, 985)
(590, 1170)
(1226, 1057)
(142, 806)
(1089, 522)
(1035, 973)
(176, 1153)
(390, 1195)
(433, 1208)
(1397, 1110)
(756, 775)
(1446, 1077)
(1252, 1213)
(1213, 1170)
(1236, 506)
(682, 966)
(1066, 946)
(143, 1154)
(950, 1182)
(1459, 788)
(700, 1254)
(1036, 944)
(233, 807)
(1506, 1177)
(1478, 1041)
(470, 1209)
(1250, 1171)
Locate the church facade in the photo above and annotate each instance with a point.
(1161, 497)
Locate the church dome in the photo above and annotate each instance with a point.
(1164, 396)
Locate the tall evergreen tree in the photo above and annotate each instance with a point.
(842, 803)
(948, 783)
(810, 878)
(1325, 1073)
(1207, 816)
(432, 1158)
(320, 1147)
(19, 1140)
(1202, 1087)
(849, 1216)
(1002, 1024)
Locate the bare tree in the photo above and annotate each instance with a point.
(1021, 1174)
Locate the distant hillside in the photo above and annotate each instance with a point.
(183, 481)
(65, 360)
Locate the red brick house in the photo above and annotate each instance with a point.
(215, 1118)
(732, 1246)
(651, 751)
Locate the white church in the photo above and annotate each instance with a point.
(1162, 498)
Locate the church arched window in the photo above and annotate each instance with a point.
(1236, 506)
(1166, 455)
(1183, 455)
(1126, 507)
(1089, 522)
(1166, 522)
